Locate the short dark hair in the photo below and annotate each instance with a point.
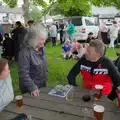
(31, 21)
(18, 23)
(6, 34)
(90, 33)
(98, 45)
(3, 63)
(114, 22)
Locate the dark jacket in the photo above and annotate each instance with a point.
(32, 69)
(8, 47)
(101, 72)
(18, 35)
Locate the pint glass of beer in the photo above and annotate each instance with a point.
(19, 101)
(99, 112)
(99, 89)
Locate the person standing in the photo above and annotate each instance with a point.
(53, 34)
(32, 62)
(30, 23)
(113, 34)
(65, 33)
(1, 45)
(71, 31)
(104, 32)
(61, 32)
(8, 47)
(18, 35)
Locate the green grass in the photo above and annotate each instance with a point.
(58, 67)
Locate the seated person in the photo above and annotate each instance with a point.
(81, 50)
(6, 89)
(75, 46)
(90, 37)
(67, 50)
(96, 69)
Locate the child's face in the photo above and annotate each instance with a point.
(5, 72)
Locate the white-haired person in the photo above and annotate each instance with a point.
(67, 50)
(32, 61)
(6, 89)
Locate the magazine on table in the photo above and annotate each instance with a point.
(60, 90)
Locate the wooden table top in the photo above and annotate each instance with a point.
(46, 107)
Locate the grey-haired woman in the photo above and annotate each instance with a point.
(32, 61)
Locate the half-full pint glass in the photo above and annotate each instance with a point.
(99, 89)
(99, 112)
(19, 101)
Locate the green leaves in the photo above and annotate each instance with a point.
(39, 3)
(11, 3)
(75, 7)
(34, 13)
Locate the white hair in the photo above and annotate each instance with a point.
(35, 33)
(67, 41)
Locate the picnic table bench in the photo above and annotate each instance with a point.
(47, 107)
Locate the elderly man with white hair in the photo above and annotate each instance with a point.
(32, 61)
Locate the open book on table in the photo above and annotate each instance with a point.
(60, 90)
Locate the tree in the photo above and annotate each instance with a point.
(68, 8)
(25, 7)
(80, 7)
(34, 13)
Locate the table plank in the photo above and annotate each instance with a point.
(43, 114)
(50, 111)
(35, 112)
(47, 100)
(6, 115)
(46, 107)
(78, 93)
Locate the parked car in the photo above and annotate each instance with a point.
(84, 25)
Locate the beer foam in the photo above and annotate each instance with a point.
(18, 97)
(98, 86)
(99, 108)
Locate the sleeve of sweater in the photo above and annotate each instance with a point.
(115, 76)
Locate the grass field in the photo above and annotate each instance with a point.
(58, 67)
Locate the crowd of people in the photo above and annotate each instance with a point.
(66, 31)
(111, 33)
(29, 53)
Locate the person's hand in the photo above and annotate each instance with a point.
(35, 93)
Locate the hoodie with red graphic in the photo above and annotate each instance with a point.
(101, 72)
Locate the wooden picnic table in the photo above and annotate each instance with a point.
(46, 107)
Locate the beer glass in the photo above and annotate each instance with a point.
(19, 101)
(99, 112)
(98, 94)
(69, 96)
